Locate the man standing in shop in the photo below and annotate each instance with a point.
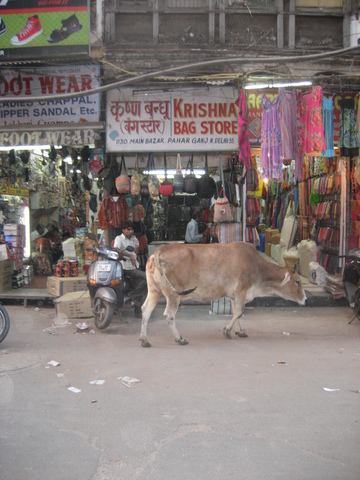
(131, 265)
(192, 234)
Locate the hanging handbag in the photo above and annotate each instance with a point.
(153, 180)
(178, 181)
(190, 180)
(122, 182)
(222, 209)
(206, 184)
(135, 180)
(166, 188)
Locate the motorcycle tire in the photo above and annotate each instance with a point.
(4, 323)
(103, 312)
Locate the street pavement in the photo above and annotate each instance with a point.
(282, 404)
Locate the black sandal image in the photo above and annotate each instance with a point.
(69, 26)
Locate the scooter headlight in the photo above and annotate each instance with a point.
(113, 255)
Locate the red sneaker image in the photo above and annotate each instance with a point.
(31, 30)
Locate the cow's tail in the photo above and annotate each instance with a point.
(184, 292)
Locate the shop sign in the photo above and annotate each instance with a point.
(83, 136)
(172, 121)
(43, 28)
(49, 81)
(255, 113)
(19, 192)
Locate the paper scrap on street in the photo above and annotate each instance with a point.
(74, 390)
(331, 389)
(53, 363)
(128, 381)
(82, 326)
(97, 382)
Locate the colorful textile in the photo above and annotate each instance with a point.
(328, 126)
(348, 135)
(310, 123)
(288, 129)
(243, 131)
(271, 154)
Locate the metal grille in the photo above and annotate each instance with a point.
(181, 29)
(318, 31)
(242, 29)
(186, 3)
(133, 28)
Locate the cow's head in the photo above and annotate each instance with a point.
(291, 287)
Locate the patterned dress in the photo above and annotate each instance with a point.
(310, 123)
(243, 131)
(271, 154)
(348, 135)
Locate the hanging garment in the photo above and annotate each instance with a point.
(328, 120)
(113, 212)
(310, 124)
(288, 129)
(243, 131)
(348, 135)
(270, 155)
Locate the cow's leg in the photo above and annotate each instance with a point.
(147, 309)
(172, 305)
(238, 309)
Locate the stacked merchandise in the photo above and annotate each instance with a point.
(15, 238)
(73, 252)
(6, 271)
(28, 272)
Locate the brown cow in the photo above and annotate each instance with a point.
(208, 272)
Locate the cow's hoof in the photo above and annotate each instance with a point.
(145, 343)
(241, 334)
(182, 341)
(226, 333)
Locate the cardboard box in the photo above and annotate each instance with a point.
(73, 305)
(274, 239)
(270, 233)
(6, 267)
(58, 286)
(4, 252)
(268, 249)
(14, 229)
(6, 282)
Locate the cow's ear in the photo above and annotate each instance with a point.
(286, 279)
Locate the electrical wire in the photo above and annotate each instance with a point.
(190, 66)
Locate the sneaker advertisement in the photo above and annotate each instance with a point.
(43, 28)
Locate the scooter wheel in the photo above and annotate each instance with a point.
(103, 312)
(4, 323)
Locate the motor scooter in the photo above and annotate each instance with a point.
(108, 286)
(4, 322)
(351, 280)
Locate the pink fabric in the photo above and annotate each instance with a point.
(310, 123)
(243, 131)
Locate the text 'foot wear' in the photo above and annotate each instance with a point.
(31, 30)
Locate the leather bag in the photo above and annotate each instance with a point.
(178, 181)
(190, 180)
(206, 184)
(166, 188)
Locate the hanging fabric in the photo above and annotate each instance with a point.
(328, 119)
(270, 154)
(348, 135)
(243, 130)
(288, 130)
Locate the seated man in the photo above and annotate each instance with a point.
(192, 234)
(131, 265)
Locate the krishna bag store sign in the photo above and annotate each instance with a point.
(61, 112)
(172, 121)
(40, 28)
